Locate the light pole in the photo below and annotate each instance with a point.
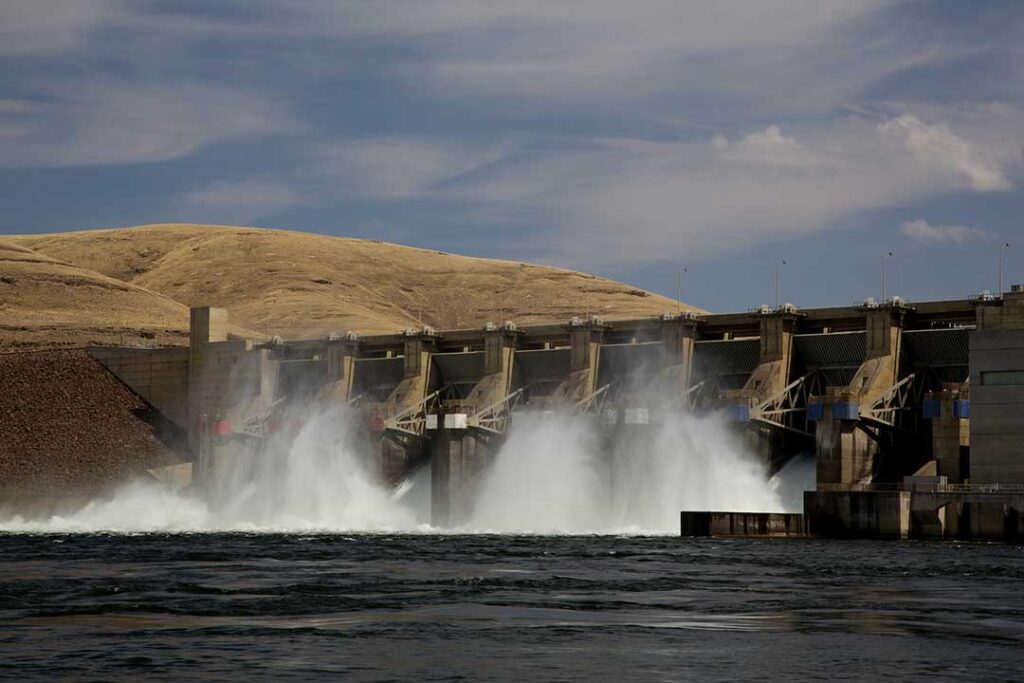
(679, 292)
(1002, 249)
(778, 273)
(885, 256)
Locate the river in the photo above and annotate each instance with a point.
(475, 607)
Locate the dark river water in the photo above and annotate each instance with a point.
(425, 608)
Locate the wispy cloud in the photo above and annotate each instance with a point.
(119, 122)
(615, 131)
(622, 200)
(396, 168)
(47, 26)
(611, 51)
(921, 229)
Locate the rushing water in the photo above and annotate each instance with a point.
(431, 607)
(554, 475)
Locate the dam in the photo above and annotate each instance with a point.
(911, 410)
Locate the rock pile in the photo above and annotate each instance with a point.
(68, 427)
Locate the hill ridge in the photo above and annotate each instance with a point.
(299, 284)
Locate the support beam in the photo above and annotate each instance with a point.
(772, 373)
(769, 378)
(585, 339)
(206, 325)
(846, 453)
(224, 377)
(678, 334)
(499, 349)
(396, 455)
(342, 353)
(460, 454)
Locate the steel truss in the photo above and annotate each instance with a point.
(412, 422)
(495, 418)
(787, 409)
(594, 402)
(904, 395)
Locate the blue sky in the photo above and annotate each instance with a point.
(626, 139)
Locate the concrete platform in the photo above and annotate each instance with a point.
(742, 524)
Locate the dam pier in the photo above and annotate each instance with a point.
(911, 411)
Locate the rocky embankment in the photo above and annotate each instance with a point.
(69, 428)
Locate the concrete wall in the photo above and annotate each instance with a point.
(458, 461)
(585, 341)
(774, 368)
(222, 374)
(880, 369)
(742, 524)
(874, 514)
(341, 358)
(950, 434)
(997, 411)
(844, 452)
(159, 376)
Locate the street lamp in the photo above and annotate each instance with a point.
(885, 256)
(1002, 249)
(679, 292)
(778, 273)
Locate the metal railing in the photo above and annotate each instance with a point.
(980, 488)
(925, 488)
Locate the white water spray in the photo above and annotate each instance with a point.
(546, 479)
(555, 474)
(315, 480)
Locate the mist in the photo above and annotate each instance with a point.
(557, 473)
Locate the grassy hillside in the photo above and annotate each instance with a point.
(49, 302)
(301, 284)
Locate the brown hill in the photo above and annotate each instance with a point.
(302, 284)
(48, 302)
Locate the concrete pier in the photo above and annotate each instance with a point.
(742, 524)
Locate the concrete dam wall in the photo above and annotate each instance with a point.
(877, 393)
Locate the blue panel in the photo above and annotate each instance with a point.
(739, 413)
(815, 411)
(932, 408)
(846, 411)
(962, 409)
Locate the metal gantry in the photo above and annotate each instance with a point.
(785, 409)
(496, 417)
(898, 398)
(413, 420)
(594, 402)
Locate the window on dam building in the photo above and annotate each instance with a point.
(996, 378)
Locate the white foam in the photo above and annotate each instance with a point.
(555, 474)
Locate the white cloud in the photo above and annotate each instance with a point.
(11, 106)
(628, 200)
(236, 201)
(936, 147)
(768, 147)
(46, 26)
(605, 50)
(781, 51)
(776, 78)
(921, 229)
(398, 168)
(114, 122)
